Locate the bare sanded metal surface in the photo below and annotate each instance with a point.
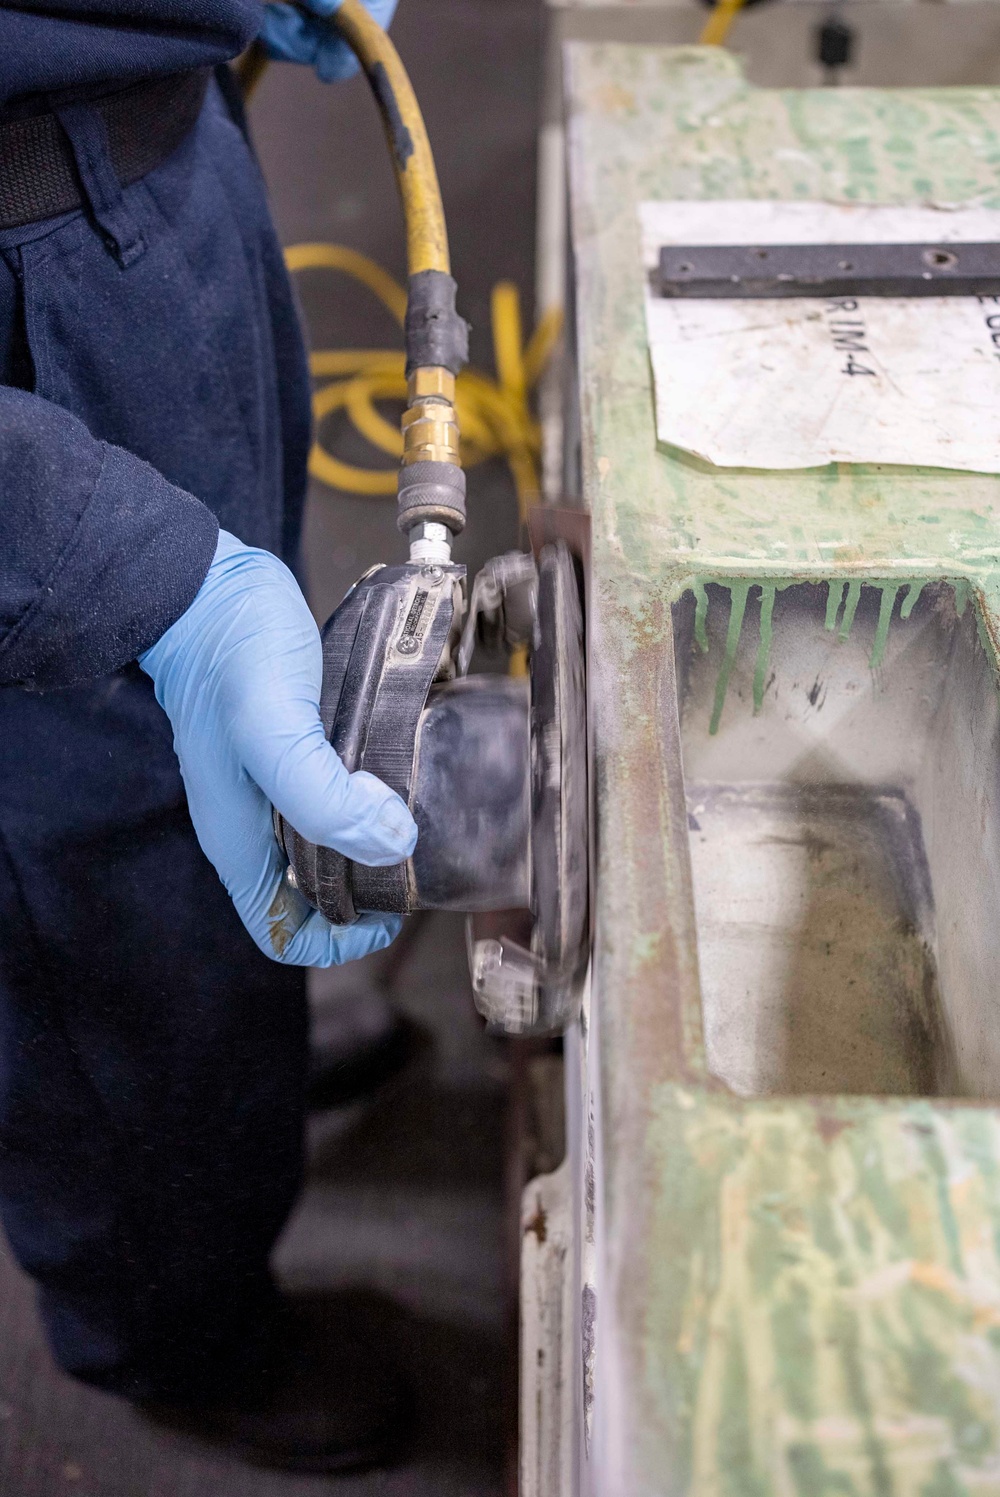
(815, 976)
(796, 1294)
(818, 792)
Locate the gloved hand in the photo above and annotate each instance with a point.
(291, 36)
(239, 676)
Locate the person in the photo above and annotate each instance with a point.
(159, 680)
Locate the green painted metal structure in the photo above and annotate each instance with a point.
(798, 1296)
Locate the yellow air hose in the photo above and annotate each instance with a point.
(406, 135)
(494, 416)
(717, 27)
(430, 483)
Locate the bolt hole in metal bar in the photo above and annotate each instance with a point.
(844, 833)
(786, 270)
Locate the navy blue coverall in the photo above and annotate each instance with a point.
(154, 385)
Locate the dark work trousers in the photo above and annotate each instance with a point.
(152, 1061)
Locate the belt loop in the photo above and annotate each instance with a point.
(84, 125)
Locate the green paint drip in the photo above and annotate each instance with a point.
(700, 615)
(834, 598)
(850, 609)
(912, 594)
(961, 597)
(912, 589)
(767, 594)
(890, 592)
(738, 592)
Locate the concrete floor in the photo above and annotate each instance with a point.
(404, 1199)
(405, 1194)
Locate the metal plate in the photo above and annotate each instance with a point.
(784, 270)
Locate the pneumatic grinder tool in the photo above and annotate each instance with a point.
(492, 767)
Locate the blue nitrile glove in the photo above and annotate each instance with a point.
(239, 676)
(292, 37)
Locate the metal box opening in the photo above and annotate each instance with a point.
(841, 758)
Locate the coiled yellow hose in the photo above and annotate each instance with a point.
(495, 415)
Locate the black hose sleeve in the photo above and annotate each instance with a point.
(436, 336)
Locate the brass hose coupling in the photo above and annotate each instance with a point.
(430, 428)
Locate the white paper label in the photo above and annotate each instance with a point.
(801, 382)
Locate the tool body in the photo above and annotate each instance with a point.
(493, 767)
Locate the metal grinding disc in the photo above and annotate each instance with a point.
(528, 981)
(560, 814)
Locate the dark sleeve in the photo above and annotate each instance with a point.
(58, 44)
(99, 554)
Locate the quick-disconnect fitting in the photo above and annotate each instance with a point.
(432, 492)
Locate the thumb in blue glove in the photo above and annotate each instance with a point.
(239, 677)
(290, 36)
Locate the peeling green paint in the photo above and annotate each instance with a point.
(913, 592)
(864, 1378)
(700, 614)
(738, 593)
(890, 592)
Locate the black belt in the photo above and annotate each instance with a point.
(145, 123)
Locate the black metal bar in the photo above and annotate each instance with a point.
(824, 270)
